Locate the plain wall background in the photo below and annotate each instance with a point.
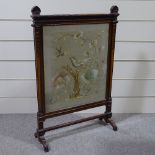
(134, 67)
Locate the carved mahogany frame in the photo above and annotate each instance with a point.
(45, 20)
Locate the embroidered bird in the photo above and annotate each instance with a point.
(59, 52)
(77, 63)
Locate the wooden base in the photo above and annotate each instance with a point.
(40, 132)
(42, 140)
(111, 122)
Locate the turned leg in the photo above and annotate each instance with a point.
(44, 143)
(42, 140)
(40, 135)
(108, 115)
(112, 123)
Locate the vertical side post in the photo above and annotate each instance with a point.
(112, 33)
(39, 64)
(111, 48)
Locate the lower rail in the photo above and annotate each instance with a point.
(71, 123)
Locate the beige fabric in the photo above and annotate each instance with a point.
(75, 62)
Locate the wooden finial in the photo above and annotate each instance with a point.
(114, 9)
(35, 10)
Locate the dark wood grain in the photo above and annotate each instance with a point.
(77, 19)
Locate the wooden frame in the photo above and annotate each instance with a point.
(48, 20)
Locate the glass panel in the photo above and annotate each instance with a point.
(75, 64)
